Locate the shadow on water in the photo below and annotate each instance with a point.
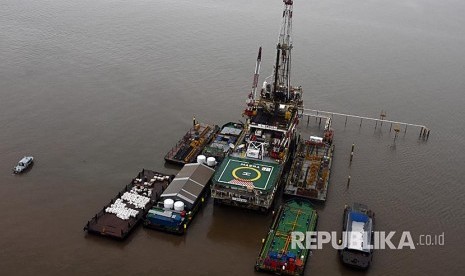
(173, 239)
(109, 242)
(139, 230)
(239, 223)
(170, 166)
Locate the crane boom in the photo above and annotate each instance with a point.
(257, 72)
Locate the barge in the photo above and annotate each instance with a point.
(191, 144)
(311, 169)
(250, 175)
(224, 141)
(276, 255)
(118, 218)
(357, 236)
(183, 198)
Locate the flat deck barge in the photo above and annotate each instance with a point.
(183, 198)
(191, 144)
(118, 218)
(276, 255)
(311, 168)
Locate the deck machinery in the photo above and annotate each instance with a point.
(311, 168)
(250, 175)
(191, 144)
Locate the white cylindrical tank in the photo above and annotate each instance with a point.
(201, 159)
(168, 203)
(211, 161)
(179, 206)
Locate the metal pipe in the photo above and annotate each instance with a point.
(356, 116)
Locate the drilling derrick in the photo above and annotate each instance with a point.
(282, 69)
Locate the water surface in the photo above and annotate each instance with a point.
(97, 90)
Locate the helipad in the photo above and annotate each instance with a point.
(253, 174)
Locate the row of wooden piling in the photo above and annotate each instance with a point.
(424, 131)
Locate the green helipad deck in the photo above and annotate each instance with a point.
(277, 254)
(251, 174)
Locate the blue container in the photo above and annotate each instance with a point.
(273, 255)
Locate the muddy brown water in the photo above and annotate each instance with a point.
(97, 90)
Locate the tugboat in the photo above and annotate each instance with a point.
(277, 256)
(357, 236)
(250, 175)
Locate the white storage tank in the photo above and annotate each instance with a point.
(168, 203)
(201, 159)
(179, 206)
(211, 161)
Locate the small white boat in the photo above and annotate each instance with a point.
(23, 164)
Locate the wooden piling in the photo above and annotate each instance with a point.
(348, 181)
(352, 153)
(345, 124)
(382, 116)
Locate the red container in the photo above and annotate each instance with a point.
(274, 264)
